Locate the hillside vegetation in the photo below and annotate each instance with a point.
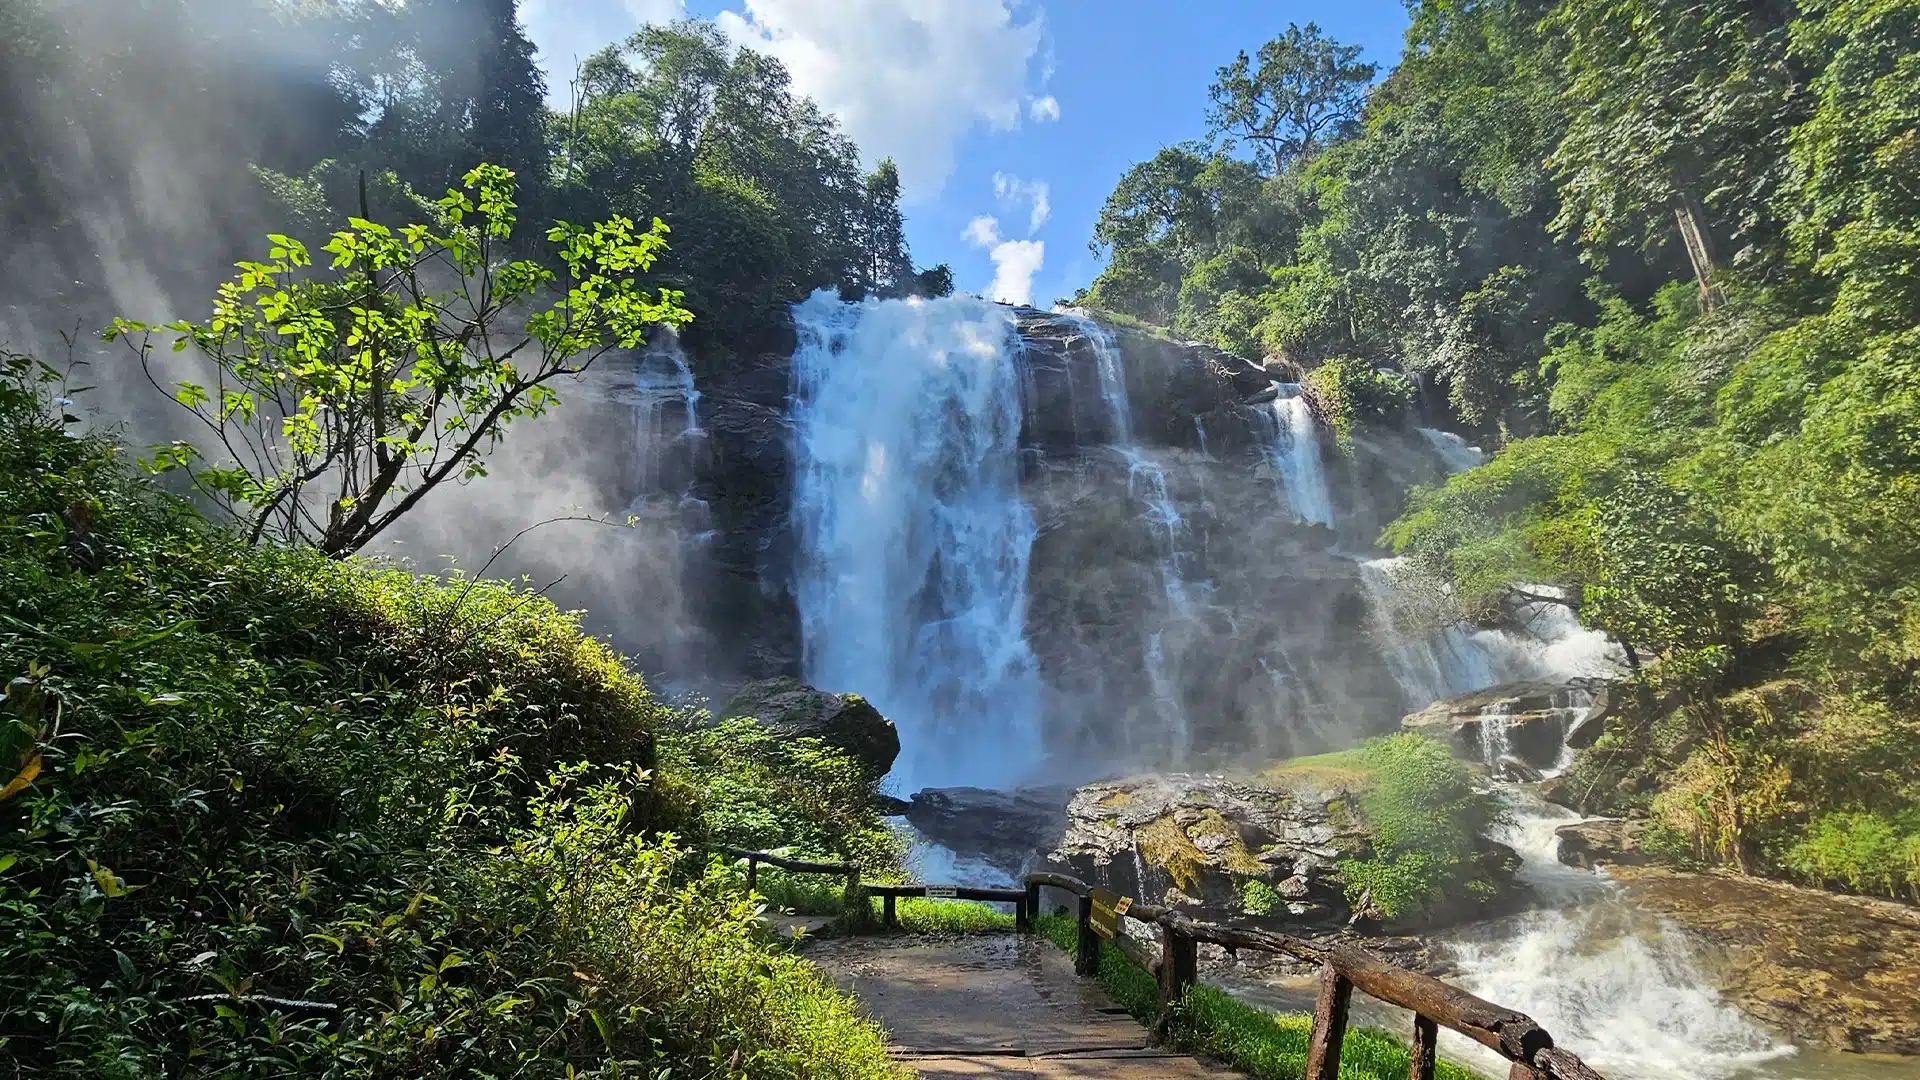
(266, 813)
(1664, 257)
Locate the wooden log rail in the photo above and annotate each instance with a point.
(1343, 968)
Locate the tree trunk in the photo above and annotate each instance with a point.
(1692, 220)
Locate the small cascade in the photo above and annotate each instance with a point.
(666, 416)
(1453, 450)
(1624, 990)
(1294, 447)
(1496, 736)
(912, 582)
(1147, 483)
(1547, 642)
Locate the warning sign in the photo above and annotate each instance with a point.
(1107, 908)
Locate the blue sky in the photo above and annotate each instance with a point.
(989, 104)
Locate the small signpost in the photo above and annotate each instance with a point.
(1108, 906)
(941, 892)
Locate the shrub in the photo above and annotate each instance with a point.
(1426, 819)
(1867, 852)
(1355, 396)
(279, 815)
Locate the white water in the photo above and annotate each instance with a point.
(1147, 482)
(1621, 989)
(1454, 452)
(914, 541)
(1429, 663)
(1294, 447)
(667, 414)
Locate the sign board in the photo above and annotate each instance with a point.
(1108, 906)
(941, 892)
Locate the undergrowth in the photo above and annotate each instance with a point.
(1210, 1021)
(266, 814)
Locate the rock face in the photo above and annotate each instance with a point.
(1197, 840)
(1840, 971)
(1602, 842)
(1527, 721)
(844, 720)
(1181, 615)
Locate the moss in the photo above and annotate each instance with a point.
(1166, 845)
(1233, 853)
(1116, 799)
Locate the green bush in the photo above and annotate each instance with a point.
(1355, 396)
(278, 815)
(1426, 819)
(1869, 853)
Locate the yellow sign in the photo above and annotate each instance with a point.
(1108, 906)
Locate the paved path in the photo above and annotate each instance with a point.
(997, 1005)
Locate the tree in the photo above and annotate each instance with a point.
(339, 402)
(1307, 89)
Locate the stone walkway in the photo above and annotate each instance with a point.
(990, 1005)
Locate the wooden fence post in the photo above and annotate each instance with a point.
(1179, 969)
(1031, 909)
(1329, 1024)
(752, 874)
(1086, 949)
(1426, 1036)
(887, 904)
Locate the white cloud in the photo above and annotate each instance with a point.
(1034, 193)
(1015, 262)
(568, 31)
(907, 78)
(1044, 110)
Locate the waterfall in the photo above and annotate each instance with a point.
(666, 415)
(1453, 450)
(914, 541)
(1294, 447)
(1147, 482)
(1620, 988)
(1548, 645)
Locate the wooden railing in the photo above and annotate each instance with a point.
(1343, 968)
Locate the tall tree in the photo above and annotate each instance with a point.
(1306, 89)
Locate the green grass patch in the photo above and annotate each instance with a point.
(919, 915)
(1210, 1021)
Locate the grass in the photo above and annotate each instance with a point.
(252, 775)
(1266, 1045)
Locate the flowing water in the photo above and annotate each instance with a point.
(912, 582)
(1294, 446)
(1453, 450)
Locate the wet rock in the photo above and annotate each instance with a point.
(1530, 719)
(1008, 829)
(1514, 768)
(1837, 971)
(1602, 842)
(846, 721)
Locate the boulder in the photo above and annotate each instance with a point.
(846, 721)
(1009, 830)
(1602, 842)
(1831, 970)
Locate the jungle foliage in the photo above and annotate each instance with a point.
(1661, 254)
(267, 813)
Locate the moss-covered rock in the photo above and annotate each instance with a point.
(846, 721)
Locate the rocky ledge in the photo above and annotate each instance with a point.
(1528, 722)
(1840, 971)
(1262, 849)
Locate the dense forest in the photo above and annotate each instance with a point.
(1665, 256)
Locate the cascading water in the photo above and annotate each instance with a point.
(1622, 989)
(912, 580)
(1147, 482)
(1453, 450)
(668, 412)
(1294, 446)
